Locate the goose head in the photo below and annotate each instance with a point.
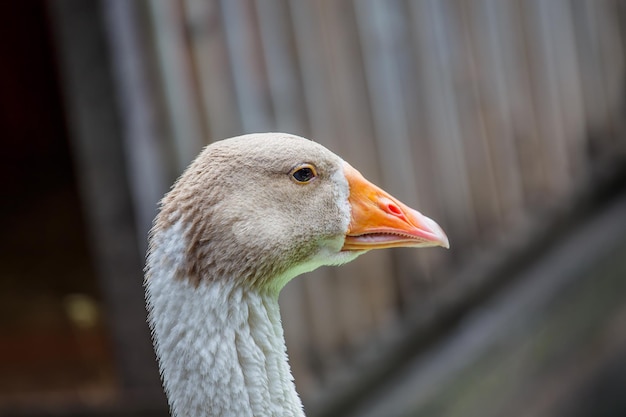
(264, 208)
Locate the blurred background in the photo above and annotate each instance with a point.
(502, 120)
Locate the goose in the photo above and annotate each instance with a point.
(249, 214)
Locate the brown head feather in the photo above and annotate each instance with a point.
(242, 214)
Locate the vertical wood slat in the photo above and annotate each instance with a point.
(247, 65)
(383, 39)
(596, 106)
(145, 145)
(422, 146)
(523, 115)
(480, 163)
(489, 42)
(597, 91)
(307, 34)
(177, 77)
(209, 51)
(443, 128)
(611, 51)
(544, 72)
(282, 67)
(617, 11)
(569, 96)
(299, 336)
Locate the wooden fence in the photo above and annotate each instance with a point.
(489, 116)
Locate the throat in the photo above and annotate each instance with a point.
(221, 349)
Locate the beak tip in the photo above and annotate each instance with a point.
(441, 237)
(443, 240)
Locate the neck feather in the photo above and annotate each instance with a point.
(220, 345)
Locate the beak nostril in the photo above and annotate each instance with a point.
(390, 207)
(393, 209)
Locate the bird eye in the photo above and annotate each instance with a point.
(303, 173)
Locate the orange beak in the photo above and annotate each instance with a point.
(380, 221)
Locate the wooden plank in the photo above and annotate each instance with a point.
(307, 33)
(299, 337)
(285, 86)
(383, 37)
(247, 65)
(209, 52)
(488, 46)
(572, 118)
(510, 28)
(426, 180)
(597, 104)
(480, 161)
(325, 325)
(146, 145)
(611, 49)
(429, 23)
(619, 15)
(545, 100)
(177, 76)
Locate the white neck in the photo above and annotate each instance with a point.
(221, 350)
(220, 346)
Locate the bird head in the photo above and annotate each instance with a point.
(264, 208)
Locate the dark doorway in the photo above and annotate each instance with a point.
(53, 341)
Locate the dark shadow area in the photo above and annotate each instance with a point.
(54, 339)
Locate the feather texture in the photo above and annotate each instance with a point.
(220, 344)
(231, 233)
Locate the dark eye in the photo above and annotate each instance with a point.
(303, 173)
